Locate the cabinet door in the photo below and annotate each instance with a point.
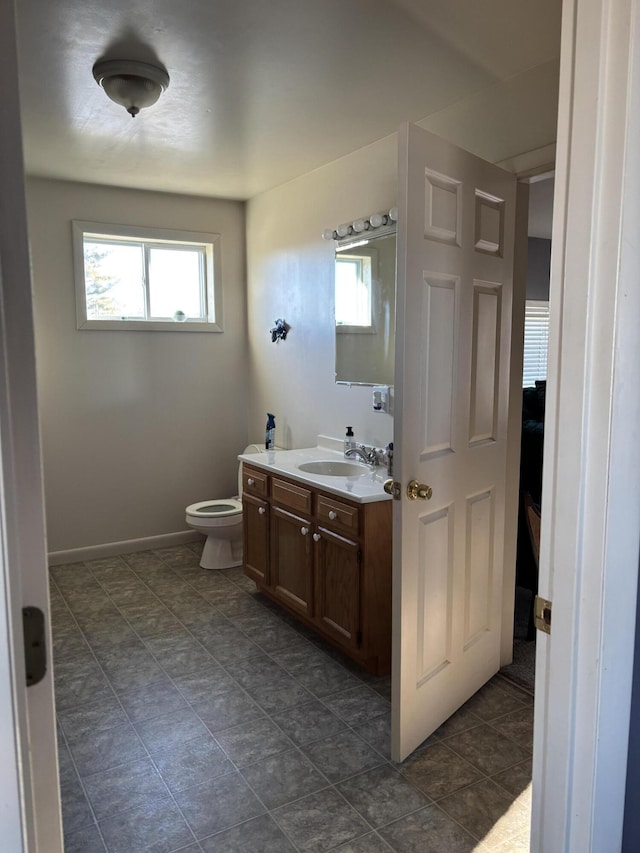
(291, 560)
(337, 576)
(255, 515)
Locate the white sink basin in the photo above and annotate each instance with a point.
(334, 468)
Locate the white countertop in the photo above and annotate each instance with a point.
(365, 488)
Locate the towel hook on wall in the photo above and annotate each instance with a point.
(280, 330)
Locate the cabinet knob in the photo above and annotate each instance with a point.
(316, 537)
(333, 515)
(304, 530)
(251, 482)
(261, 510)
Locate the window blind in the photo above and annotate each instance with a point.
(536, 342)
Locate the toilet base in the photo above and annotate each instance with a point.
(221, 553)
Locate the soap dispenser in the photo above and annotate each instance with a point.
(270, 432)
(349, 441)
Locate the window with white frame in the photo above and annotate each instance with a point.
(144, 278)
(536, 342)
(353, 293)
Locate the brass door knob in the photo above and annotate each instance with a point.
(392, 488)
(419, 491)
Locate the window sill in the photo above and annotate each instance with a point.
(147, 326)
(343, 329)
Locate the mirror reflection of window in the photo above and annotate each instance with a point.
(365, 282)
(353, 291)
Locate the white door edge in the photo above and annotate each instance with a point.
(15, 800)
(514, 430)
(591, 490)
(29, 775)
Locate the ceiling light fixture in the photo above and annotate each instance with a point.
(133, 85)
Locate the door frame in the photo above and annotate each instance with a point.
(592, 529)
(29, 787)
(514, 422)
(591, 489)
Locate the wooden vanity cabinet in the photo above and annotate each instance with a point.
(338, 594)
(255, 537)
(324, 559)
(255, 530)
(291, 578)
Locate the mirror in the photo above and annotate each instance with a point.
(365, 299)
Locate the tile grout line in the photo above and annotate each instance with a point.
(123, 811)
(236, 768)
(234, 619)
(72, 759)
(329, 785)
(197, 840)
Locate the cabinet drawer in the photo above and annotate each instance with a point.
(287, 494)
(336, 514)
(255, 482)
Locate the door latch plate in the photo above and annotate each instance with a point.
(542, 614)
(35, 650)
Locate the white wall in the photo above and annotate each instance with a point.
(291, 275)
(135, 425)
(538, 268)
(290, 268)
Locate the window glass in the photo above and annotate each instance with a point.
(113, 279)
(148, 279)
(536, 342)
(353, 291)
(175, 278)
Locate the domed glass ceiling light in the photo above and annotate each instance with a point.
(133, 85)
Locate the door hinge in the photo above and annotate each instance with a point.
(542, 614)
(359, 557)
(359, 638)
(35, 649)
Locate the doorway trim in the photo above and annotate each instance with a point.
(591, 491)
(29, 785)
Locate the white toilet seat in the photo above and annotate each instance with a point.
(221, 522)
(223, 508)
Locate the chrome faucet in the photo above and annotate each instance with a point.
(368, 456)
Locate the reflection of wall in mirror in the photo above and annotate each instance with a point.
(368, 356)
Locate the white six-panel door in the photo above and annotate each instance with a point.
(455, 267)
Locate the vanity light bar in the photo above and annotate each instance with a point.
(358, 226)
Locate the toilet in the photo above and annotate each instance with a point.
(221, 522)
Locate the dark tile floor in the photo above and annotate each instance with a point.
(195, 716)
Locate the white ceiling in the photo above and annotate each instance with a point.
(261, 90)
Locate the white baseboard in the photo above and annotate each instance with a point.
(113, 549)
